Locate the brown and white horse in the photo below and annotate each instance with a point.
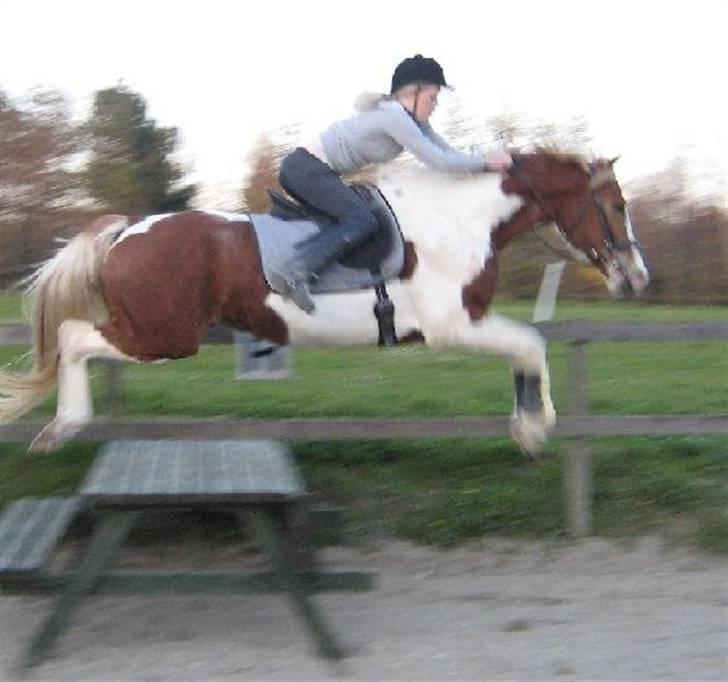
(148, 290)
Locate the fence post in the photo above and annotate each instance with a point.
(578, 458)
(112, 387)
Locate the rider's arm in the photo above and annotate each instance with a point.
(494, 160)
(428, 131)
(435, 153)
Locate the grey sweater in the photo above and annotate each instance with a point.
(382, 132)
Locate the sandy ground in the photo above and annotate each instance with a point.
(591, 610)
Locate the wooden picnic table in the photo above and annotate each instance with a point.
(254, 480)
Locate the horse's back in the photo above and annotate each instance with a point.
(166, 278)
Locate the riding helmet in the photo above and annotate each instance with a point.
(418, 69)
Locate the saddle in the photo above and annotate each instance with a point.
(376, 260)
(371, 264)
(371, 252)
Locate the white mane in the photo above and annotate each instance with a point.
(448, 217)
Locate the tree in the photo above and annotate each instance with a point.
(39, 185)
(263, 176)
(264, 162)
(684, 234)
(130, 169)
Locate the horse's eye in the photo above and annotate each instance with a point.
(619, 208)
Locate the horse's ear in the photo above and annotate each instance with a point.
(614, 160)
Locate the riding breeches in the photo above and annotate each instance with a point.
(310, 180)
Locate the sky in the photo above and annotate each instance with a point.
(645, 75)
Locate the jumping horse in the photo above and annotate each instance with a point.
(148, 289)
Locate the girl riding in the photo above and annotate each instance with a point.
(383, 127)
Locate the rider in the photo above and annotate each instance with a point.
(383, 127)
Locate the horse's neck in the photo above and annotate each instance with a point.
(435, 209)
(524, 219)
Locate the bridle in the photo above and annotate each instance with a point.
(612, 245)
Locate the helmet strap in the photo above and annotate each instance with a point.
(417, 99)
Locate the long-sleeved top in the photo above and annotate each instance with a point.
(380, 133)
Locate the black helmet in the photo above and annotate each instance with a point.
(418, 69)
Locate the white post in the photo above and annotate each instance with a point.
(546, 300)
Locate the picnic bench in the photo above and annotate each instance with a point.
(255, 481)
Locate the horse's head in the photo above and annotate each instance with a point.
(585, 202)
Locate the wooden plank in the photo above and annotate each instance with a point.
(589, 330)
(641, 425)
(272, 537)
(13, 334)
(207, 582)
(571, 330)
(108, 536)
(369, 429)
(30, 529)
(231, 582)
(177, 473)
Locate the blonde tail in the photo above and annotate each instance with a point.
(65, 287)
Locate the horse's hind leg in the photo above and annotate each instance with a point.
(78, 341)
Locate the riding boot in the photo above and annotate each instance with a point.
(295, 290)
(315, 253)
(312, 256)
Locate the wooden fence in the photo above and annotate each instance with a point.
(576, 423)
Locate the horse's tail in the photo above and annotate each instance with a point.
(63, 287)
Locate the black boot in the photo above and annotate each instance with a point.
(295, 290)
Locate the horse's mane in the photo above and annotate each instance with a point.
(561, 156)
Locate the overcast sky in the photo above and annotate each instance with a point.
(648, 76)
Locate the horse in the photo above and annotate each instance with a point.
(143, 290)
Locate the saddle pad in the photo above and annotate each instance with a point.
(277, 241)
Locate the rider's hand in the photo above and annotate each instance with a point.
(498, 161)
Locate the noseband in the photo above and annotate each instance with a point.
(611, 244)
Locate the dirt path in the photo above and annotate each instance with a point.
(507, 611)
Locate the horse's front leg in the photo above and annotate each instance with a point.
(533, 415)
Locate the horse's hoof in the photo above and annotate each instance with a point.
(530, 436)
(53, 436)
(46, 441)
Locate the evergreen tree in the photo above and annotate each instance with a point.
(131, 169)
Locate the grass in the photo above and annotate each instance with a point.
(627, 378)
(443, 492)
(11, 307)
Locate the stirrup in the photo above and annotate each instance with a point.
(293, 290)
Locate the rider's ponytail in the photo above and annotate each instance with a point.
(369, 100)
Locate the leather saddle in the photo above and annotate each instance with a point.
(367, 255)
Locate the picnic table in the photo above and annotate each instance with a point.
(253, 480)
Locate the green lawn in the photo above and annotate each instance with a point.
(444, 492)
(11, 307)
(627, 378)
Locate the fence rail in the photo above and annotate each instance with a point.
(572, 331)
(578, 425)
(370, 429)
